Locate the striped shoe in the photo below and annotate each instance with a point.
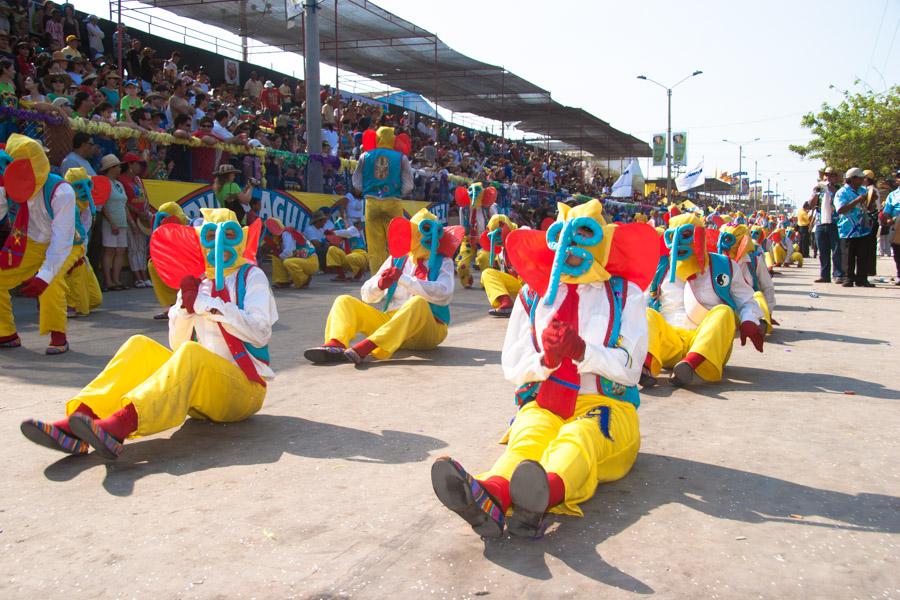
(87, 429)
(464, 495)
(50, 436)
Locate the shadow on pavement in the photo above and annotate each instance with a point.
(740, 378)
(719, 492)
(262, 439)
(781, 308)
(782, 336)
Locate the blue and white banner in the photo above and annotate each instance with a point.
(693, 178)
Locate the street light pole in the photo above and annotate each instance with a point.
(669, 89)
(669, 148)
(740, 146)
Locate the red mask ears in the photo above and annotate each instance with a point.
(101, 190)
(451, 240)
(489, 196)
(253, 233)
(461, 195)
(19, 181)
(742, 246)
(399, 237)
(700, 246)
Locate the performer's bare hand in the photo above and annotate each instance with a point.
(190, 285)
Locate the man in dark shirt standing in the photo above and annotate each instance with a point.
(178, 156)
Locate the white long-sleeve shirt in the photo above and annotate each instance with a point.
(685, 305)
(522, 362)
(288, 245)
(252, 324)
(439, 291)
(762, 276)
(58, 232)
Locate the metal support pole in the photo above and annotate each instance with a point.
(243, 30)
(669, 149)
(121, 33)
(740, 174)
(502, 103)
(313, 103)
(337, 63)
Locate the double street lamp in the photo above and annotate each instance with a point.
(669, 89)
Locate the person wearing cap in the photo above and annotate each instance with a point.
(270, 98)
(71, 51)
(39, 250)
(316, 232)
(130, 101)
(853, 228)
(827, 240)
(113, 225)
(110, 88)
(383, 176)
(294, 259)
(95, 36)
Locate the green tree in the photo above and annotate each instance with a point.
(863, 131)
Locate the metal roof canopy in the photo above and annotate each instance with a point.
(358, 36)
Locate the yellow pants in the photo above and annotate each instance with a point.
(464, 263)
(52, 301)
(166, 387)
(797, 258)
(165, 295)
(770, 260)
(354, 262)
(497, 283)
(294, 270)
(712, 339)
(411, 327)
(575, 449)
(84, 290)
(764, 306)
(379, 214)
(779, 254)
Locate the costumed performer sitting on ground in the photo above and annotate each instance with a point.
(477, 204)
(383, 176)
(40, 249)
(501, 284)
(224, 303)
(696, 298)
(734, 240)
(413, 290)
(575, 344)
(169, 212)
(347, 251)
(294, 259)
(91, 192)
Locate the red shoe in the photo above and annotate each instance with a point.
(87, 429)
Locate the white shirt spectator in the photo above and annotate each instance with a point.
(332, 138)
(95, 38)
(220, 132)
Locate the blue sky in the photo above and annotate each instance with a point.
(764, 64)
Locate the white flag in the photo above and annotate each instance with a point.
(624, 185)
(691, 179)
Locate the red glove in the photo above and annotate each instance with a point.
(561, 341)
(751, 330)
(388, 277)
(33, 287)
(190, 285)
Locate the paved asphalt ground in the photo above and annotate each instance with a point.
(781, 481)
